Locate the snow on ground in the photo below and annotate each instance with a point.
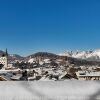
(49, 90)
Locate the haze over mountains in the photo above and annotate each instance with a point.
(92, 55)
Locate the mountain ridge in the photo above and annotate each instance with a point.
(92, 55)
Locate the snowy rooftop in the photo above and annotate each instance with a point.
(88, 73)
(5, 71)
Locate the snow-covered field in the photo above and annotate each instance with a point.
(50, 90)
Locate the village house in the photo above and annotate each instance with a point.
(88, 75)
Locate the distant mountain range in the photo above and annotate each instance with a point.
(81, 55)
(43, 54)
(16, 57)
(69, 58)
(86, 55)
(12, 56)
(39, 54)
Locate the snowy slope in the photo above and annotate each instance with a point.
(63, 90)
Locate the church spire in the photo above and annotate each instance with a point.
(6, 52)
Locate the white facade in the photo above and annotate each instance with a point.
(88, 75)
(3, 60)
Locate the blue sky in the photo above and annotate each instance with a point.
(28, 26)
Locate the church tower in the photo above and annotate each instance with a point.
(6, 53)
(4, 59)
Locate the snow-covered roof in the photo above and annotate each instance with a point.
(16, 77)
(31, 60)
(88, 74)
(41, 62)
(47, 61)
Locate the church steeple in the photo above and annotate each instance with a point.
(6, 54)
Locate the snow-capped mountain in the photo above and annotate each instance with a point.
(67, 53)
(86, 55)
